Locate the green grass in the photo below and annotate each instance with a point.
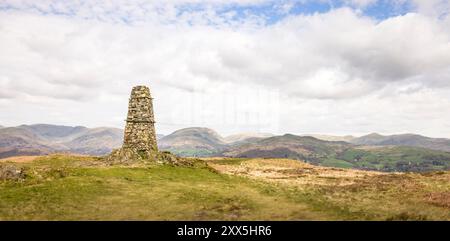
(227, 161)
(391, 197)
(406, 159)
(333, 162)
(192, 152)
(76, 188)
(150, 193)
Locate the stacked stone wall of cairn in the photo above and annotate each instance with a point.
(140, 123)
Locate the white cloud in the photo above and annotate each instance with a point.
(337, 72)
(432, 7)
(361, 3)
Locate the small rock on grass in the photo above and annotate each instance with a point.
(11, 172)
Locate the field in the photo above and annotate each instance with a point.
(63, 187)
(396, 158)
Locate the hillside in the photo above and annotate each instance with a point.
(194, 141)
(21, 141)
(43, 139)
(55, 132)
(342, 154)
(246, 137)
(395, 159)
(287, 146)
(332, 138)
(82, 188)
(371, 152)
(413, 140)
(97, 141)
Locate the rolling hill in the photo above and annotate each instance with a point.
(405, 152)
(287, 146)
(343, 154)
(246, 137)
(43, 139)
(393, 159)
(203, 142)
(96, 141)
(194, 141)
(347, 138)
(413, 140)
(21, 141)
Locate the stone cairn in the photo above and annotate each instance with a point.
(140, 128)
(139, 145)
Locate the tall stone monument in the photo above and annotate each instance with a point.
(139, 144)
(140, 128)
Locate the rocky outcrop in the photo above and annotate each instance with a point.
(10, 172)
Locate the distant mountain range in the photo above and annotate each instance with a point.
(246, 137)
(43, 139)
(198, 141)
(407, 152)
(375, 139)
(287, 146)
(372, 152)
(195, 141)
(347, 138)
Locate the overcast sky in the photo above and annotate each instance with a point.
(325, 67)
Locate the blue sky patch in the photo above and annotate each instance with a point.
(271, 11)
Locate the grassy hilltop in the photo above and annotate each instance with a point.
(63, 187)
